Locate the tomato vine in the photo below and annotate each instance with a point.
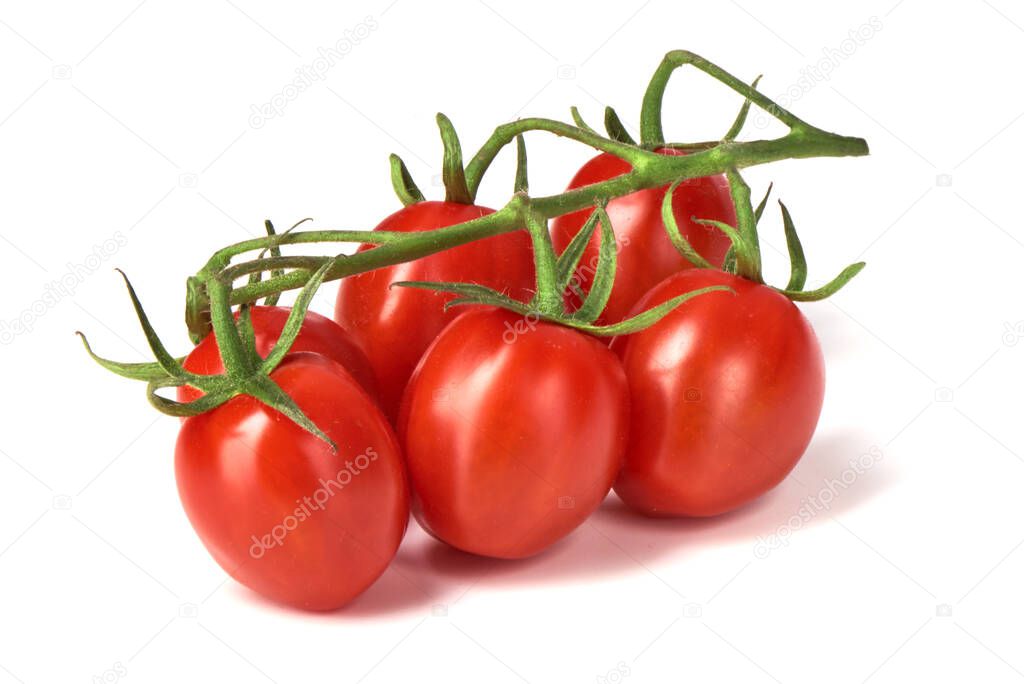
(212, 291)
(650, 170)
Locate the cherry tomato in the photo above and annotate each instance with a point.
(396, 325)
(513, 431)
(726, 392)
(646, 256)
(281, 512)
(318, 334)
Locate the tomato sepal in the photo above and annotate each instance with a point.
(604, 277)
(453, 173)
(616, 131)
(797, 260)
(649, 317)
(569, 260)
(470, 293)
(184, 409)
(245, 371)
(144, 371)
(744, 256)
(827, 290)
(402, 182)
(741, 118)
(577, 119)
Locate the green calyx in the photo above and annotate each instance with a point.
(453, 173)
(744, 256)
(555, 274)
(245, 371)
(470, 293)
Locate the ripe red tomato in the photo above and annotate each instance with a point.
(513, 431)
(276, 508)
(726, 392)
(396, 325)
(646, 256)
(318, 334)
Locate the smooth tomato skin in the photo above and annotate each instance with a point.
(318, 334)
(726, 392)
(246, 475)
(513, 432)
(396, 325)
(646, 256)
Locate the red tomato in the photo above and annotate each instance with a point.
(276, 508)
(318, 334)
(513, 430)
(726, 392)
(646, 256)
(396, 325)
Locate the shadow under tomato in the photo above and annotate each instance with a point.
(391, 594)
(395, 592)
(616, 541)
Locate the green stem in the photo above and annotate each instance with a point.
(654, 171)
(222, 257)
(748, 260)
(650, 170)
(238, 364)
(548, 298)
(413, 246)
(506, 133)
(651, 133)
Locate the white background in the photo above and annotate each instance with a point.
(130, 122)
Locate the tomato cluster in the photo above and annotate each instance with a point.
(467, 376)
(500, 431)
